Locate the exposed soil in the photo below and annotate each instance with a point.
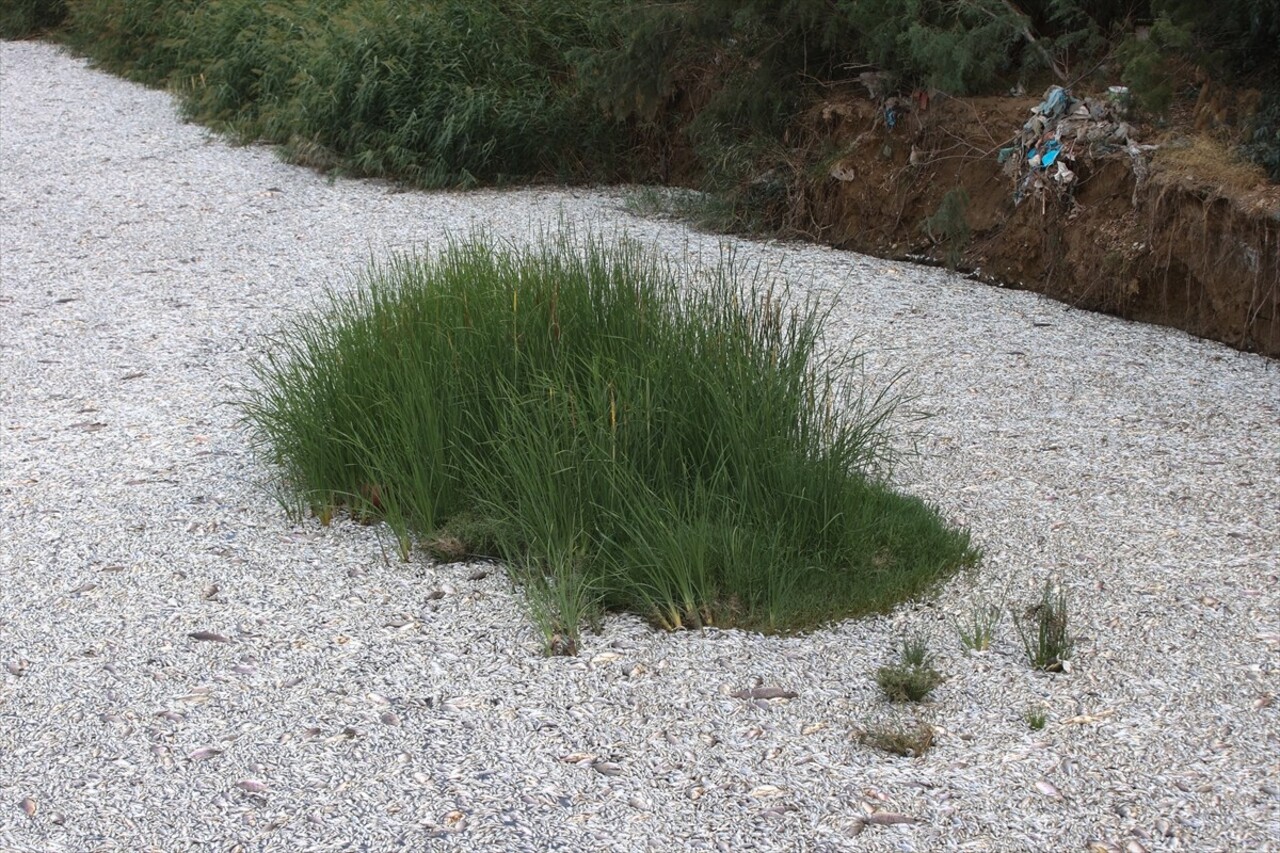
(1194, 244)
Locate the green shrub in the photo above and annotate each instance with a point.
(913, 678)
(448, 93)
(23, 18)
(684, 453)
(140, 39)
(1263, 145)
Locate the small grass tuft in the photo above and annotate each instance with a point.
(908, 741)
(1044, 630)
(915, 651)
(978, 629)
(914, 677)
(1036, 718)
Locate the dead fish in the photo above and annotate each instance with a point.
(17, 667)
(210, 592)
(209, 637)
(764, 693)
(291, 681)
(607, 768)
(203, 753)
(390, 718)
(88, 586)
(253, 786)
(1049, 789)
(889, 819)
(28, 806)
(782, 810)
(767, 791)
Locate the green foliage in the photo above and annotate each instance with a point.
(619, 440)
(1263, 146)
(1231, 38)
(139, 38)
(948, 225)
(1146, 63)
(1036, 717)
(907, 741)
(1047, 639)
(449, 93)
(914, 677)
(978, 630)
(24, 18)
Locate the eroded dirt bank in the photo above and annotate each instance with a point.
(1180, 235)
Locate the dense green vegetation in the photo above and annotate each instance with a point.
(462, 91)
(448, 93)
(23, 18)
(621, 437)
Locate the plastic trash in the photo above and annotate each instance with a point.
(1055, 101)
(1061, 128)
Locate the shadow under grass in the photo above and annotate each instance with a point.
(620, 437)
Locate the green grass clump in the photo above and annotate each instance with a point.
(621, 440)
(913, 678)
(979, 628)
(1045, 634)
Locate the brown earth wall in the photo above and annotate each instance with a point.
(1172, 249)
